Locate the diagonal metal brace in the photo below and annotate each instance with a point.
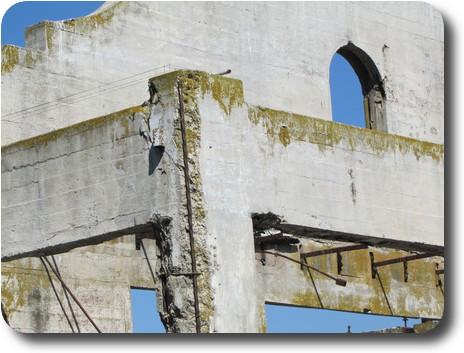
(338, 281)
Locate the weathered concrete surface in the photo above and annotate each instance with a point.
(418, 328)
(280, 50)
(317, 173)
(243, 159)
(285, 282)
(100, 276)
(93, 178)
(75, 183)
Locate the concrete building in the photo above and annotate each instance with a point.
(221, 192)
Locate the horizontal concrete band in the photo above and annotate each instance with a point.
(94, 179)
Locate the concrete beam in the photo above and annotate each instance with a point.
(87, 183)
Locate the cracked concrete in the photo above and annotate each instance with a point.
(87, 188)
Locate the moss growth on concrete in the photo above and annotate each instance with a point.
(10, 57)
(49, 34)
(262, 318)
(120, 117)
(425, 327)
(284, 136)
(31, 57)
(285, 128)
(191, 90)
(18, 285)
(390, 295)
(88, 24)
(13, 56)
(227, 92)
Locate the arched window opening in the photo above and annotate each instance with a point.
(344, 87)
(346, 93)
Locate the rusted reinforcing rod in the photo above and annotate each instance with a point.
(189, 206)
(225, 72)
(268, 238)
(439, 272)
(333, 250)
(402, 259)
(71, 294)
(338, 281)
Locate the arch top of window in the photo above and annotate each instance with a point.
(364, 67)
(371, 85)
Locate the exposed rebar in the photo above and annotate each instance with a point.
(189, 206)
(148, 262)
(338, 281)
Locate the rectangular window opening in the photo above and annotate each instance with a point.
(292, 319)
(145, 316)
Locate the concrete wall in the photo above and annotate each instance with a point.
(320, 177)
(280, 50)
(100, 276)
(286, 283)
(262, 142)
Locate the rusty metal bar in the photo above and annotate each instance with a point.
(268, 238)
(338, 281)
(439, 272)
(189, 205)
(225, 72)
(333, 250)
(57, 295)
(72, 295)
(402, 259)
(148, 260)
(184, 274)
(67, 298)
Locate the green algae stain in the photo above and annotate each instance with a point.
(88, 24)
(31, 57)
(191, 90)
(10, 57)
(17, 287)
(284, 136)
(262, 318)
(49, 34)
(284, 128)
(122, 118)
(227, 92)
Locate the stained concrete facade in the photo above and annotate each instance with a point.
(88, 188)
(280, 50)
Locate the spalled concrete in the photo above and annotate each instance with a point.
(243, 160)
(263, 157)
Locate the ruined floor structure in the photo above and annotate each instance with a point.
(222, 193)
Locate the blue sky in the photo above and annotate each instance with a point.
(347, 108)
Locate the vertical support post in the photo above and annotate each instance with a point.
(405, 271)
(373, 269)
(339, 263)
